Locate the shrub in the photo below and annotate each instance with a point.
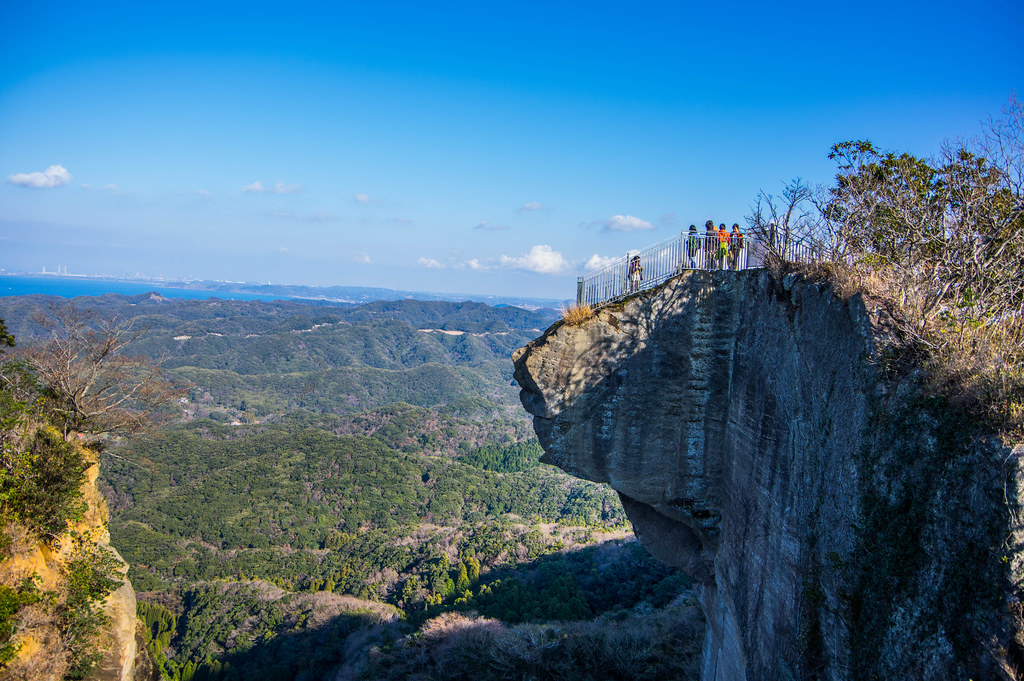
(41, 484)
(574, 315)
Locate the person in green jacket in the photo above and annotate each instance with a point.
(693, 246)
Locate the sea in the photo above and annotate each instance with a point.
(70, 287)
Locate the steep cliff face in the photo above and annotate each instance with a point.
(41, 642)
(841, 526)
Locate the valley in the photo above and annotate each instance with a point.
(336, 480)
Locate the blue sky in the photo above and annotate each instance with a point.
(483, 148)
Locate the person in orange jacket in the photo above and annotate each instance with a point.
(723, 246)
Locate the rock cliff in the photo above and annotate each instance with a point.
(842, 523)
(40, 638)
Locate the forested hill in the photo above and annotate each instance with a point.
(357, 488)
(466, 316)
(250, 359)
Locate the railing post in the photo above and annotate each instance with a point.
(579, 291)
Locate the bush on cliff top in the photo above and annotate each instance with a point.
(942, 240)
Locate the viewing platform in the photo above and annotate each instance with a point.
(647, 268)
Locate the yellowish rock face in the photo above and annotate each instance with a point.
(39, 634)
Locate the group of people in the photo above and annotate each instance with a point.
(717, 249)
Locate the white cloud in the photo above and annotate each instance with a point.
(530, 205)
(596, 261)
(626, 223)
(54, 176)
(362, 258)
(484, 224)
(429, 262)
(361, 198)
(281, 249)
(471, 264)
(111, 187)
(278, 188)
(322, 216)
(204, 193)
(539, 259)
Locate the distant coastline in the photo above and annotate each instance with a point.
(72, 285)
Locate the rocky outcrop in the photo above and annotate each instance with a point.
(41, 643)
(841, 523)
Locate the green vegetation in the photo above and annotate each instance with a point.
(282, 357)
(89, 576)
(938, 245)
(303, 512)
(941, 242)
(40, 482)
(298, 505)
(12, 600)
(338, 478)
(41, 478)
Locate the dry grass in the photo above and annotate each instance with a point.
(574, 315)
(43, 655)
(978, 365)
(656, 645)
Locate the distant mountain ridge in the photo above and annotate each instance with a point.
(278, 356)
(325, 294)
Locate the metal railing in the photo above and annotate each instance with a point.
(641, 270)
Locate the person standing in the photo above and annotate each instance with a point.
(735, 247)
(710, 243)
(635, 274)
(693, 246)
(723, 246)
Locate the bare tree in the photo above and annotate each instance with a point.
(790, 226)
(943, 238)
(91, 383)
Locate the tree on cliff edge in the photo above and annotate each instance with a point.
(90, 382)
(941, 238)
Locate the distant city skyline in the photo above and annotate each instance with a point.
(452, 147)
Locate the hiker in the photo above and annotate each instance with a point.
(723, 246)
(635, 274)
(710, 243)
(693, 246)
(735, 247)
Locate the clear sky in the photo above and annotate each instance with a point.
(464, 147)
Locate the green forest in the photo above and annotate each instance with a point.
(356, 487)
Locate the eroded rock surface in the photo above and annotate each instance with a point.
(745, 425)
(42, 637)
